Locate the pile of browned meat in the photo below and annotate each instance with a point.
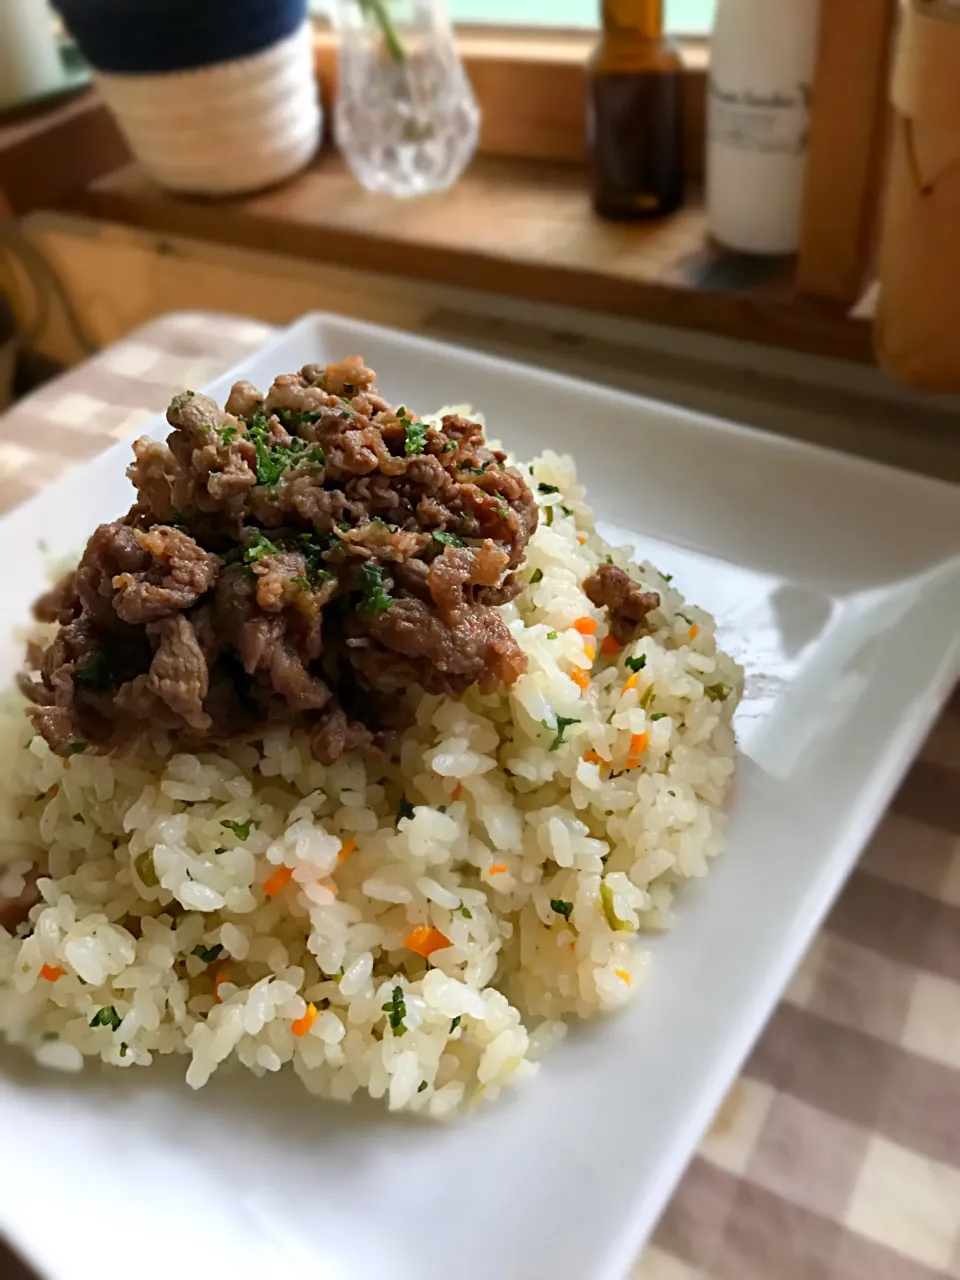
(305, 557)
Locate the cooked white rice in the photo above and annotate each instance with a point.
(540, 864)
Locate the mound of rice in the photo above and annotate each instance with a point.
(257, 905)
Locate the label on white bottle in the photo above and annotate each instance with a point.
(771, 123)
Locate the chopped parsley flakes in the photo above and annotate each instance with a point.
(227, 432)
(375, 599)
(563, 724)
(536, 576)
(178, 401)
(416, 439)
(421, 1086)
(637, 664)
(548, 488)
(207, 954)
(561, 908)
(606, 905)
(106, 1017)
(716, 692)
(552, 635)
(146, 869)
(240, 829)
(397, 1011)
(447, 539)
(259, 546)
(455, 1023)
(94, 672)
(273, 457)
(463, 911)
(659, 715)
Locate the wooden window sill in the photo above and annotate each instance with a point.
(523, 229)
(531, 87)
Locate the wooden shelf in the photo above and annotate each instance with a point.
(512, 227)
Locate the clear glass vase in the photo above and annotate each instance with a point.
(405, 117)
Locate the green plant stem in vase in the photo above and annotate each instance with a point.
(405, 116)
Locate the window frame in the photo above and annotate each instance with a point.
(530, 85)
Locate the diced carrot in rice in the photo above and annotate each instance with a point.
(424, 940)
(277, 882)
(300, 1026)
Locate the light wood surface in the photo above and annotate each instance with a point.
(57, 148)
(847, 144)
(509, 227)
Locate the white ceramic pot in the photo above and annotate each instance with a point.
(227, 128)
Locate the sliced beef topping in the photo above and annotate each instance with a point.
(179, 675)
(177, 574)
(305, 556)
(628, 604)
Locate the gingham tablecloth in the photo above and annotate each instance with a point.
(836, 1155)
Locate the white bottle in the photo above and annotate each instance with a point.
(29, 60)
(762, 62)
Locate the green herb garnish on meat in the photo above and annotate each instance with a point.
(227, 433)
(258, 547)
(207, 954)
(312, 547)
(316, 455)
(450, 446)
(561, 908)
(273, 457)
(716, 692)
(397, 1010)
(563, 724)
(548, 488)
(179, 400)
(94, 672)
(637, 664)
(416, 440)
(240, 829)
(447, 539)
(106, 1017)
(375, 599)
(536, 576)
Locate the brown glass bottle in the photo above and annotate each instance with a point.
(635, 114)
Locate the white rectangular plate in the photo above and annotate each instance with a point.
(835, 582)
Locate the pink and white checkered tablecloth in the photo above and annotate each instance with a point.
(836, 1155)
